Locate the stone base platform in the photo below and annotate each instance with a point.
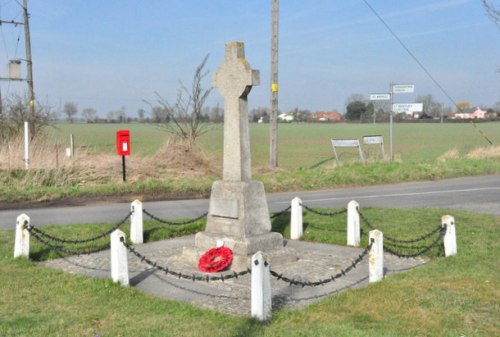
(311, 262)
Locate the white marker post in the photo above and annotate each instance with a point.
(119, 261)
(450, 237)
(22, 241)
(261, 287)
(26, 146)
(296, 224)
(136, 222)
(353, 228)
(376, 256)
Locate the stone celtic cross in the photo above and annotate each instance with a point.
(234, 80)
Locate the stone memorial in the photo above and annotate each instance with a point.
(238, 213)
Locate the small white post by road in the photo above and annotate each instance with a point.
(119, 261)
(376, 256)
(296, 225)
(26, 146)
(136, 222)
(261, 287)
(450, 237)
(353, 229)
(22, 241)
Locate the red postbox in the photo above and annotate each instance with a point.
(123, 142)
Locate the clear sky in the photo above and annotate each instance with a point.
(109, 54)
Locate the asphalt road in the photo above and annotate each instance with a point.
(477, 194)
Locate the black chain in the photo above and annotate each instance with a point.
(180, 275)
(389, 238)
(60, 249)
(422, 251)
(312, 210)
(332, 278)
(33, 230)
(277, 214)
(166, 222)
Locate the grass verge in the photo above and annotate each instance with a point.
(457, 296)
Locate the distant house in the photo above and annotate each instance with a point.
(332, 116)
(285, 117)
(473, 113)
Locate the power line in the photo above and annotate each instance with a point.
(420, 64)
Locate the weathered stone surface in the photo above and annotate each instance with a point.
(238, 211)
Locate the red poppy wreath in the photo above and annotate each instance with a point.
(215, 259)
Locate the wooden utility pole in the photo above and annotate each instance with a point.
(29, 64)
(273, 120)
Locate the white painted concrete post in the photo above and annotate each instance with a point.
(119, 261)
(296, 225)
(136, 222)
(450, 238)
(261, 287)
(376, 256)
(353, 230)
(26, 146)
(22, 241)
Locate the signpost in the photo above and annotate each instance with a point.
(380, 97)
(347, 143)
(403, 88)
(123, 148)
(374, 140)
(408, 107)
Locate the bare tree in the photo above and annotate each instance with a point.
(70, 110)
(17, 111)
(89, 114)
(186, 119)
(492, 12)
(430, 106)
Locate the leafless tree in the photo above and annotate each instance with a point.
(89, 114)
(492, 12)
(70, 110)
(186, 119)
(16, 111)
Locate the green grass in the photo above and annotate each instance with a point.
(299, 144)
(456, 296)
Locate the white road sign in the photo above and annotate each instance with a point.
(403, 88)
(408, 107)
(380, 97)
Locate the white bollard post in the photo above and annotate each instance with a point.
(26, 146)
(353, 230)
(136, 222)
(261, 287)
(450, 237)
(119, 261)
(376, 256)
(296, 225)
(22, 241)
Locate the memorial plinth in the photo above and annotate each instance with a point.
(238, 213)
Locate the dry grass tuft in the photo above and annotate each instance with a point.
(49, 165)
(450, 154)
(485, 152)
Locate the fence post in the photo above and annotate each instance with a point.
(261, 287)
(450, 237)
(119, 261)
(376, 257)
(353, 230)
(296, 225)
(22, 241)
(136, 223)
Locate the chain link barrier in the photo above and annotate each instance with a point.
(181, 275)
(398, 242)
(312, 210)
(280, 213)
(44, 234)
(60, 249)
(173, 223)
(343, 272)
(421, 252)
